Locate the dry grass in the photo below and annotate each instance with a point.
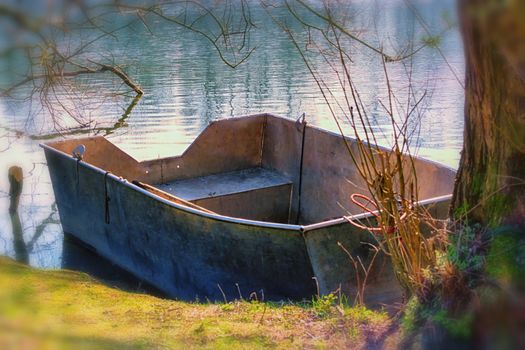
(388, 172)
(64, 309)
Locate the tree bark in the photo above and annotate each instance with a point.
(490, 185)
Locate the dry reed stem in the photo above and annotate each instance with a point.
(390, 175)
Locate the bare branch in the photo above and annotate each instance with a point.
(52, 66)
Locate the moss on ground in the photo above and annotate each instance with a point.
(506, 258)
(63, 309)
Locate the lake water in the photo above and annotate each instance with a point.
(186, 86)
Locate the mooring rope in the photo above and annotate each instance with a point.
(375, 213)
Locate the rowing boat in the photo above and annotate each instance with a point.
(257, 204)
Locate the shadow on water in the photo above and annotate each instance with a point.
(79, 257)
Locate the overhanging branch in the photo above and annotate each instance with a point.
(102, 69)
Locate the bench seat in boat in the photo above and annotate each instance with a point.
(256, 193)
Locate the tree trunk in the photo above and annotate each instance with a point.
(490, 185)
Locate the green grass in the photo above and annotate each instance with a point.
(70, 310)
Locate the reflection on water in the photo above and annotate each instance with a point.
(186, 86)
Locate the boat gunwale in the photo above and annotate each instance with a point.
(241, 221)
(125, 182)
(271, 115)
(361, 216)
(219, 217)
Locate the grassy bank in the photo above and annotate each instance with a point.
(64, 309)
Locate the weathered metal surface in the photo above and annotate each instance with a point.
(226, 145)
(329, 176)
(170, 197)
(282, 152)
(104, 155)
(186, 252)
(333, 267)
(228, 183)
(255, 193)
(183, 254)
(264, 204)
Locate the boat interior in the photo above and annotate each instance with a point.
(262, 168)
